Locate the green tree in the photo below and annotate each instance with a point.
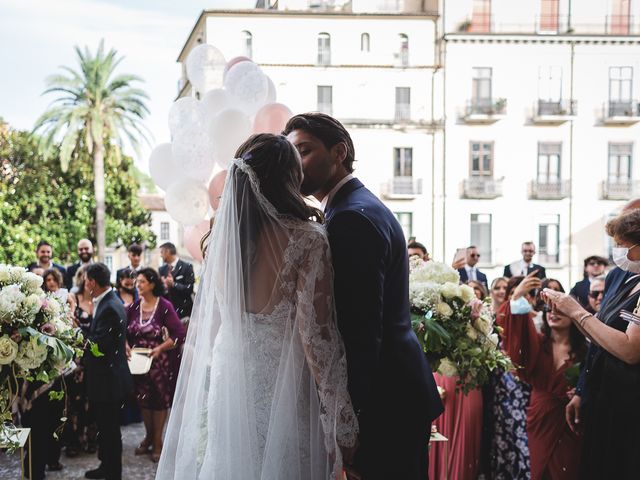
(38, 200)
(95, 111)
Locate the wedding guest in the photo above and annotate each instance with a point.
(154, 324)
(596, 294)
(36, 269)
(612, 371)
(594, 267)
(470, 271)
(126, 286)
(178, 278)
(418, 249)
(498, 293)
(545, 358)
(44, 253)
(479, 289)
(525, 266)
(134, 252)
(53, 283)
(108, 376)
(85, 255)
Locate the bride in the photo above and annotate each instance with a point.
(262, 390)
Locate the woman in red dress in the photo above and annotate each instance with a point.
(544, 358)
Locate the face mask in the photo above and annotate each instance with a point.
(621, 259)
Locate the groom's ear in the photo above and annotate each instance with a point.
(339, 152)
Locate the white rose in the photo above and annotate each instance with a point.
(471, 332)
(450, 290)
(8, 350)
(447, 368)
(483, 325)
(466, 293)
(444, 309)
(493, 338)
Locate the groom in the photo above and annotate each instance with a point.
(390, 383)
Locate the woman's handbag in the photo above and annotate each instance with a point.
(140, 361)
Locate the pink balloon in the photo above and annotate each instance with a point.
(272, 118)
(192, 237)
(216, 185)
(233, 62)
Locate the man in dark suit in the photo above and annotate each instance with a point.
(107, 373)
(594, 267)
(470, 271)
(390, 382)
(85, 254)
(525, 266)
(178, 278)
(44, 252)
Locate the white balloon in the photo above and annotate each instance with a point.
(215, 101)
(231, 128)
(162, 167)
(248, 85)
(187, 201)
(185, 113)
(273, 93)
(205, 68)
(193, 153)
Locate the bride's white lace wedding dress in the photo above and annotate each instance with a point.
(262, 391)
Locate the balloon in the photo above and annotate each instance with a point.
(162, 167)
(230, 129)
(193, 153)
(272, 118)
(187, 201)
(248, 86)
(215, 101)
(192, 238)
(272, 95)
(185, 113)
(216, 185)
(235, 61)
(205, 68)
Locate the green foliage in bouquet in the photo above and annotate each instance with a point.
(572, 374)
(455, 329)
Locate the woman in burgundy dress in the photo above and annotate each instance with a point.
(544, 358)
(153, 323)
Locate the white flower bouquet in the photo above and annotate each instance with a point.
(455, 329)
(38, 341)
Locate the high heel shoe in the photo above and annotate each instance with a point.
(155, 456)
(144, 447)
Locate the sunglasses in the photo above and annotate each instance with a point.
(596, 293)
(594, 264)
(475, 255)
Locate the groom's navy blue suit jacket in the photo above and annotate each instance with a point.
(388, 372)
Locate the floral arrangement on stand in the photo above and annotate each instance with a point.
(38, 341)
(455, 329)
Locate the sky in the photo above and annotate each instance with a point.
(38, 36)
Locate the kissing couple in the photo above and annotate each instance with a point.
(300, 361)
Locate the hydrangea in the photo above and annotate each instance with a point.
(5, 277)
(31, 282)
(424, 295)
(437, 272)
(31, 354)
(447, 368)
(11, 299)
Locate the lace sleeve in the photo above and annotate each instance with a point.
(323, 345)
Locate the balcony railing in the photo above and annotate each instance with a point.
(559, 108)
(621, 112)
(402, 187)
(620, 189)
(403, 112)
(482, 187)
(484, 110)
(549, 190)
(555, 24)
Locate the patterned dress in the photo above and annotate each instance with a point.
(154, 390)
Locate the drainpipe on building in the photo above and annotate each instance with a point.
(570, 252)
(443, 62)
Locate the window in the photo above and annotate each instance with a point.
(481, 88)
(480, 235)
(247, 44)
(403, 162)
(325, 99)
(549, 15)
(403, 54)
(324, 49)
(403, 103)
(549, 162)
(108, 261)
(620, 82)
(164, 231)
(481, 16)
(481, 159)
(405, 219)
(620, 18)
(365, 43)
(549, 239)
(619, 169)
(146, 255)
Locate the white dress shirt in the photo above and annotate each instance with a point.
(471, 272)
(326, 201)
(96, 301)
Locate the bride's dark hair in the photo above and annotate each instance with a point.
(277, 166)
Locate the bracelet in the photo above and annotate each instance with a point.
(583, 319)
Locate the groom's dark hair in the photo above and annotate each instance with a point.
(326, 129)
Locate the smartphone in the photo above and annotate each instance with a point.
(461, 254)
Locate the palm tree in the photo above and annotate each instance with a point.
(94, 113)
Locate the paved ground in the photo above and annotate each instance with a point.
(133, 468)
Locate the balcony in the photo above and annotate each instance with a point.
(549, 190)
(621, 113)
(554, 112)
(403, 113)
(402, 188)
(620, 189)
(484, 110)
(484, 188)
